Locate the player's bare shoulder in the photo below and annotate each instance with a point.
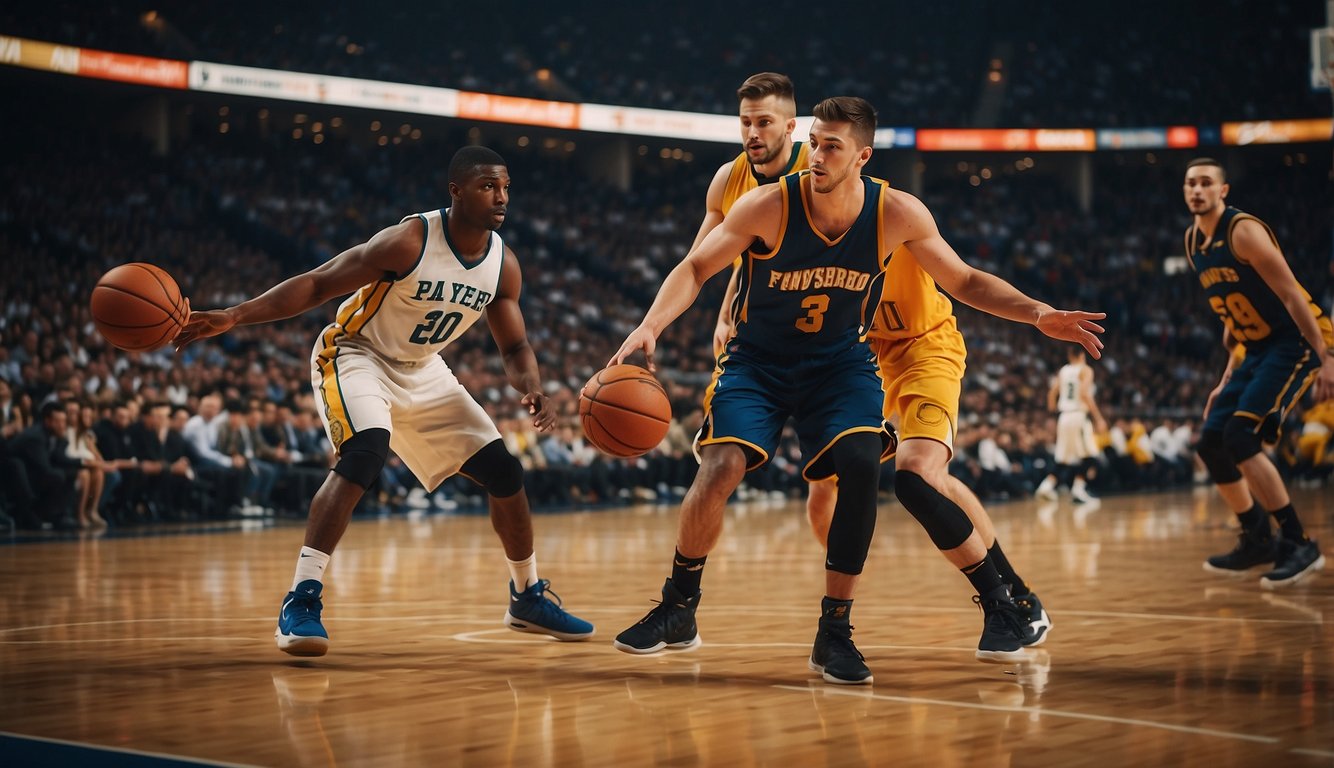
(399, 247)
(905, 218)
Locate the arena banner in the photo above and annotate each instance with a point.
(1170, 137)
(514, 109)
(659, 122)
(1278, 131)
(34, 54)
(141, 70)
(322, 89)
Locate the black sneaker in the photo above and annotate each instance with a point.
(1249, 552)
(1036, 616)
(1004, 632)
(1296, 561)
(836, 658)
(670, 625)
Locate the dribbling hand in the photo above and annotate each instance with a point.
(202, 325)
(1074, 326)
(639, 339)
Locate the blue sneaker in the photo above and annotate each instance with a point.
(299, 631)
(532, 611)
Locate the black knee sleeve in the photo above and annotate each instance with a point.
(856, 460)
(362, 455)
(495, 469)
(945, 522)
(1222, 469)
(1241, 438)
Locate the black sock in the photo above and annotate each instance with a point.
(833, 610)
(1256, 522)
(686, 573)
(1006, 571)
(1288, 524)
(985, 578)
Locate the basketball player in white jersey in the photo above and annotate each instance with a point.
(377, 371)
(1071, 396)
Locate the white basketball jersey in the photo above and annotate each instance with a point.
(414, 317)
(1067, 388)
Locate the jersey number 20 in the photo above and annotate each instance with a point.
(442, 327)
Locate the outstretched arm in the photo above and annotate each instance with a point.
(505, 319)
(755, 215)
(389, 254)
(910, 223)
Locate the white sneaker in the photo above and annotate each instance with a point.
(417, 499)
(1080, 493)
(443, 504)
(1047, 490)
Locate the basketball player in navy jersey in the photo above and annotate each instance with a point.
(1288, 342)
(812, 245)
(377, 370)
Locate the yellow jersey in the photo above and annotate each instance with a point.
(910, 304)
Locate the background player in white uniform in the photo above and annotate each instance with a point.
(1071, 396)
(376, 369)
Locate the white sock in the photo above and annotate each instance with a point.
(310, 565)
(523, 572)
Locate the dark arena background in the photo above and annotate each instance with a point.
(147, 533)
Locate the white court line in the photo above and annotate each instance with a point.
(1044, 713)
(123, 750)
(1314, 752)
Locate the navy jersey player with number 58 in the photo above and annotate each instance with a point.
(376, 369)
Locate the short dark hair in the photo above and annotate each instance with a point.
(50, 407)
(1222, 172)
(767, 84)
(849, 109)
(468, 159)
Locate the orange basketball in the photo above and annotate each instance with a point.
(138, 307)
(624, 411)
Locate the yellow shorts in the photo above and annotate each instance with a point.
(923, 380)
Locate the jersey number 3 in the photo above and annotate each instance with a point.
(815, 307)
(438, 328)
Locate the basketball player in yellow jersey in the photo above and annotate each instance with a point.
(921, 355)
(768, 115)
(378, 372)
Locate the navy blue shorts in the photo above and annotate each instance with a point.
(1265, 386)
(830, 394)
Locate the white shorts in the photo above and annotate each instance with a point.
(434, 424)
(1074, 438)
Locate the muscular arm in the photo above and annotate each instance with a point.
(756, 215)
(505, 320)
(713, 216)
(1253, 244)
(391, 251)
(910, 223)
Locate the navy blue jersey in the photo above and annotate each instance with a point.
(809, 292)
(1253, 313)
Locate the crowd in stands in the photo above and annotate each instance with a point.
(229, 426)
(925, 65)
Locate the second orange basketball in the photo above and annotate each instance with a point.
(624, 411)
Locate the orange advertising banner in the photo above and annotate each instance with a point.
(973, 139)
(1007, 140)
(34, 54)
(143, 70)
(514, 109)
(1278, 131)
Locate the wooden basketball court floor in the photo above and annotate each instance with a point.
(115, 650)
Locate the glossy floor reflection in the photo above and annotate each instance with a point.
(164, 645)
